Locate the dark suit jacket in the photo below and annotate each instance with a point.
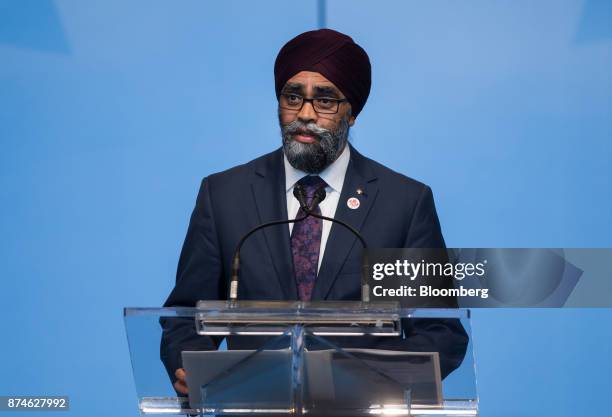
(395, 212)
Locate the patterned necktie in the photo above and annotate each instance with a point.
(306, 241)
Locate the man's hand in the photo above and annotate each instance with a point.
(181, 383)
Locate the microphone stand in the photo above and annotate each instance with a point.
(300, 195)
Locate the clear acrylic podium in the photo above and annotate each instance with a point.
(295, 358)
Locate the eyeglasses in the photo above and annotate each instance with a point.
(324, 105)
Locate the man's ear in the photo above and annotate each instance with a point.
(351, 121)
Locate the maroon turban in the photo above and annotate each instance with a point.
(333, 55)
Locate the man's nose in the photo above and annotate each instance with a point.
(307, 113)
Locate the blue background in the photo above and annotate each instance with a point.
(112, 111)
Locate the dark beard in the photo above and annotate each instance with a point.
(314, 157)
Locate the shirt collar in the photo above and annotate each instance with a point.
(333, 175)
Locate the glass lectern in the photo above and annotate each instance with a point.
(303, 358)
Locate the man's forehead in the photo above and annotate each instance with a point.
(310, 79)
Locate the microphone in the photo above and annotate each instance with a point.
(318, 197)
(300, 194)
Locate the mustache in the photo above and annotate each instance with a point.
(297, 127)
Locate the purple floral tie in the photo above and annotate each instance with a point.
(306, 241)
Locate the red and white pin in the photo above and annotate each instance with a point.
(353, 203)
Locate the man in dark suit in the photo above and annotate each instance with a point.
(322, 83)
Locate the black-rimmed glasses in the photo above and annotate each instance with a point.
(324, 105)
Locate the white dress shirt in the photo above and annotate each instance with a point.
(333, 175)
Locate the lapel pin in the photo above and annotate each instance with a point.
(359, 191)
(353, 203)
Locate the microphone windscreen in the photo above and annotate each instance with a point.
(300, 194)
(320, 194)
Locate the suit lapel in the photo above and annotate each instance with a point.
(269, 193)
(340, 241)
